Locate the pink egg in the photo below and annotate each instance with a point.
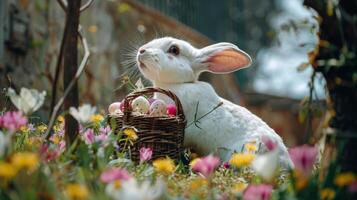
(158, 108)
(171, 110)
(113, 107)
(122, 105)
(151, 100)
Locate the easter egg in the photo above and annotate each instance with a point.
(158, 108)
(122, 106)
(151, 100)
(140, 105)
(171, 110)
(114, 108)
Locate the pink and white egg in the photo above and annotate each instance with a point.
(116, 108)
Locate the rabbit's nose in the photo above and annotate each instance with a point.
(141, 51)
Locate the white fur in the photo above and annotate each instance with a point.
(227, 128)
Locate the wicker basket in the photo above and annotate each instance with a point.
(164, 135)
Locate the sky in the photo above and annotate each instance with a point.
(277, 73)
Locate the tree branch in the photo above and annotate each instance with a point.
(71, 84)
(63, 4)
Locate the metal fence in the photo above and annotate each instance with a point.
(219, 21)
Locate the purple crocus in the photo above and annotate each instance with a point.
(62, 146)
(101, 138)
(89, 136)
(105, 130)
(145, 154)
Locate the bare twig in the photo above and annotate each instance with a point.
(63, 4)
(309, 131)
(58, 69)
(86, 5)
(197, 120)
(71, 84)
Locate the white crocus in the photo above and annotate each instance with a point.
(83, 113)
(133, 190)
(28, 101)
(4, 142)
(265, 165)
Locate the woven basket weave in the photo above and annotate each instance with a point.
(164, 135)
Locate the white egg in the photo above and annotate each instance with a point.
(158, 108)
(140, 105)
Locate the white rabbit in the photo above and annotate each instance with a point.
(175, 65)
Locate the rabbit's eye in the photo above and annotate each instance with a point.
(174, 50)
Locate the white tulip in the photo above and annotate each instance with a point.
(83, 113)
(265, 165)
(28, 101)
(132, 190)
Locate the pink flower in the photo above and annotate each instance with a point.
(206, 165)
(114, 174)
(145, 154)
(258, 192)
(269, 143)
(12, 121)
(48, 154)
(89, 136)
(105, 130)
(226, 165)
(62, 146)
(303, 158)
(61, 131)
(101, 138)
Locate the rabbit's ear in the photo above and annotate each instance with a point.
(223, 58)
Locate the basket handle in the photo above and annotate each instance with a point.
(150, 90)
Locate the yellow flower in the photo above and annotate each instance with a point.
(24, 129)
(60, 119)
(130, 132)
(241, 159)
(58, 127)
(117, 184)
(164, 165)
(42, 128)
(327, 194)
(194, 161)
(193, 156)
(7, 170)
(25, 160)
(55, 139)
(198, 183)
(77, 191)
(345, 179)
(96, 118)
(93, 28)
(239, 187)
(251, 147)
(301, 180)
(124, 7)
(33, 142)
